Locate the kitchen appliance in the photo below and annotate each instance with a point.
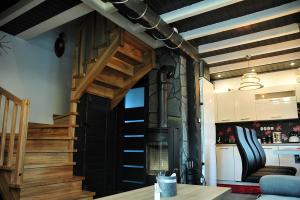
(294, 137)
(277, 137)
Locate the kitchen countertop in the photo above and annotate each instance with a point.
(280, 144)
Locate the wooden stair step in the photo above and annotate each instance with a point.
(51, 138)
(131, 52)
(55, 117)
(68, 195)
(40, 182)
(111, 79)
(6, 168)
(41, 137)
(120, 66)
(52, 151)
(102, 91)
(32, 166)
(49, 126)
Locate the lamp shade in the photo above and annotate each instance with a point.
(250, 81)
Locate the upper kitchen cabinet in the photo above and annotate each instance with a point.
(245, 106)
(225, 107)
(298, 92)
(277, 105)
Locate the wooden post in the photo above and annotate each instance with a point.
(4, 129)
(12, 135)
(0, 101)
(21, 142)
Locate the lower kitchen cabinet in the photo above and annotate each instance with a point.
(238, 166)
(272, 159)
(229, 163)
(289, 160)
(225, 163)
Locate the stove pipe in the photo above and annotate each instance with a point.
(165, 73)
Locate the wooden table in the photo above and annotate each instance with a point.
(184, 192)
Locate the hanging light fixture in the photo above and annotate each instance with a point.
(250, 81)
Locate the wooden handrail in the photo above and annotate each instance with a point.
(10, 96)
(21, 109)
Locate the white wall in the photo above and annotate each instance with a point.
(280, 78)
(31, 70)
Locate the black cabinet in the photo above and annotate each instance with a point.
(96, 146)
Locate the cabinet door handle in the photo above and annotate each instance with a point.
(245, 118)
(276, 117)
(225, 120)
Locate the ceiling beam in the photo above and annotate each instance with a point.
(256, 62)
(254, 37)
(196, 9)
(261, 16)
(18, 9)
(254, 51)
(58, 20)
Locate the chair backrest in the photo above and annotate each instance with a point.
(259, 148)
(247, 156)
(253, 148)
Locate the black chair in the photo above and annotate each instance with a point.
(250, 172)
(262, 156)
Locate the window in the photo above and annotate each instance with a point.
(135, 98)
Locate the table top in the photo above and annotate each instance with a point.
(185, 192)
(288, 151)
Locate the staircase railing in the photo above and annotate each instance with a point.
(14, 125)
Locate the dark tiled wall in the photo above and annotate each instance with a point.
(225, 132)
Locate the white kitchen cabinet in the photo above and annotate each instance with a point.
(245, 106)
(298, 92)
(238, 167)
(225, 163)
(289, 160)
(226, 107)
(270, 109)
(271, 158)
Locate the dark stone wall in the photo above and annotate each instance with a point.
(177, 100)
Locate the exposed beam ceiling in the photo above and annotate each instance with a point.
(109, 11)
(18, 9)
(272, 13)
(254, 51)
(195, 9)
(256, 62)
(56, 21)
(254, 37)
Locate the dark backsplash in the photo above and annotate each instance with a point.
(225, 132)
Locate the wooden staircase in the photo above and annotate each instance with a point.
(119, 65)
(36, 160)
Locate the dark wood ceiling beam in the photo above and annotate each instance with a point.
(273, 54)
(241, 31)
(275, 40)
(241, 11)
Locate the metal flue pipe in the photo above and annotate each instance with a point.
(145, 15)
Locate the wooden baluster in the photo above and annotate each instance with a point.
(0, 102)
(12, 135)
(4, 129)
(21, 142)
